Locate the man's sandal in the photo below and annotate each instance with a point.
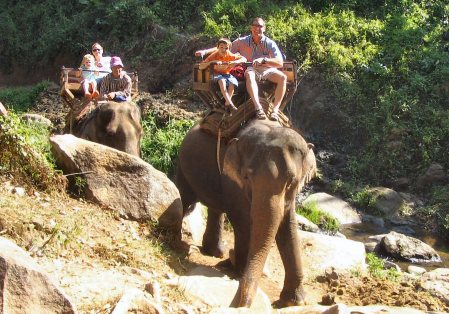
(260, 114)
(274, 116)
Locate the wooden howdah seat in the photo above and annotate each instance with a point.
(218, 122)
(73, 95)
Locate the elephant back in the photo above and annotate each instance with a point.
(218, 123)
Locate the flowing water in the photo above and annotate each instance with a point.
(362, 231)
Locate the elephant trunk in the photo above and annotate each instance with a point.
(266, 215)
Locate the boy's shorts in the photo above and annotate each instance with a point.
(228, 78)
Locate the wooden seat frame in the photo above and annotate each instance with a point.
(209, 92)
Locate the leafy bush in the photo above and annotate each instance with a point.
(20, 99)
(312, 212)
(366, 200)
(160, 144)
(376, 268)
(26, 154)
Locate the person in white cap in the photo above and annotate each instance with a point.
(116, 86)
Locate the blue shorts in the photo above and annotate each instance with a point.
(228, 78)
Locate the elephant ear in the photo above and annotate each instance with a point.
(309, 164)
(232, 162)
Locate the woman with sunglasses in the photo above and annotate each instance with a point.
(101, 62)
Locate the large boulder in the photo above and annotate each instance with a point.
(24, 287)
(335, 207)
(437, 283)
(213, 288)
(120, 181)
(408, 248)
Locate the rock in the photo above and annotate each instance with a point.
(415, 270)
(19, 191)
(194, 225)
(401, 183)
(120, 181)
(437, 283)
(24, 287)
(134, 301)
(371, 247)
(411, 249)
(305, 224)
(335, 207)
(320, 252)
(390, 265)
(343, 309)
(434, 174)
(154, 288)
(376, 221)
(387, 201)
(31, 118)
(217, 290)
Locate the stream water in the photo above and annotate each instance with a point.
(362, 231)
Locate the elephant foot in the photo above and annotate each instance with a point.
(286, 303)
(298, 300)
(213, 250)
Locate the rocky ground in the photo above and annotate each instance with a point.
(69, 266)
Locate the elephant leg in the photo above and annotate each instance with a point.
(288, 243)
(188, 197)
(240, 223)
(264, 226)
(212, 238)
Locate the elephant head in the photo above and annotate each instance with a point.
(116, 125)
(264, 168)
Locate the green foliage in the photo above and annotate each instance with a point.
(376, 268)
(313, 213)
(367, 200)
(438, 208)
(20, 99)
(80, 185)
(160, 143)
(26, 154)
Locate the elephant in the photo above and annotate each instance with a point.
(113, 124)
(253, 179)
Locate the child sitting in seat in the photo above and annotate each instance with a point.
(89, 82)
(223, 61)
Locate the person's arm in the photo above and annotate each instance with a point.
(269, 62)
(204, 52)
(210, 60)
(126, 88)
(240, 59)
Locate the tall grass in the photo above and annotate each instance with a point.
(160, 143)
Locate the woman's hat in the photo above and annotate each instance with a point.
(116, 61)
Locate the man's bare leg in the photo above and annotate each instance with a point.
(252, 88)
(280, 79)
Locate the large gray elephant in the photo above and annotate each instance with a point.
(254, 181)
(113, 124)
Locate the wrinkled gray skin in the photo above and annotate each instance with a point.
(263, 170)
(116, 125)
